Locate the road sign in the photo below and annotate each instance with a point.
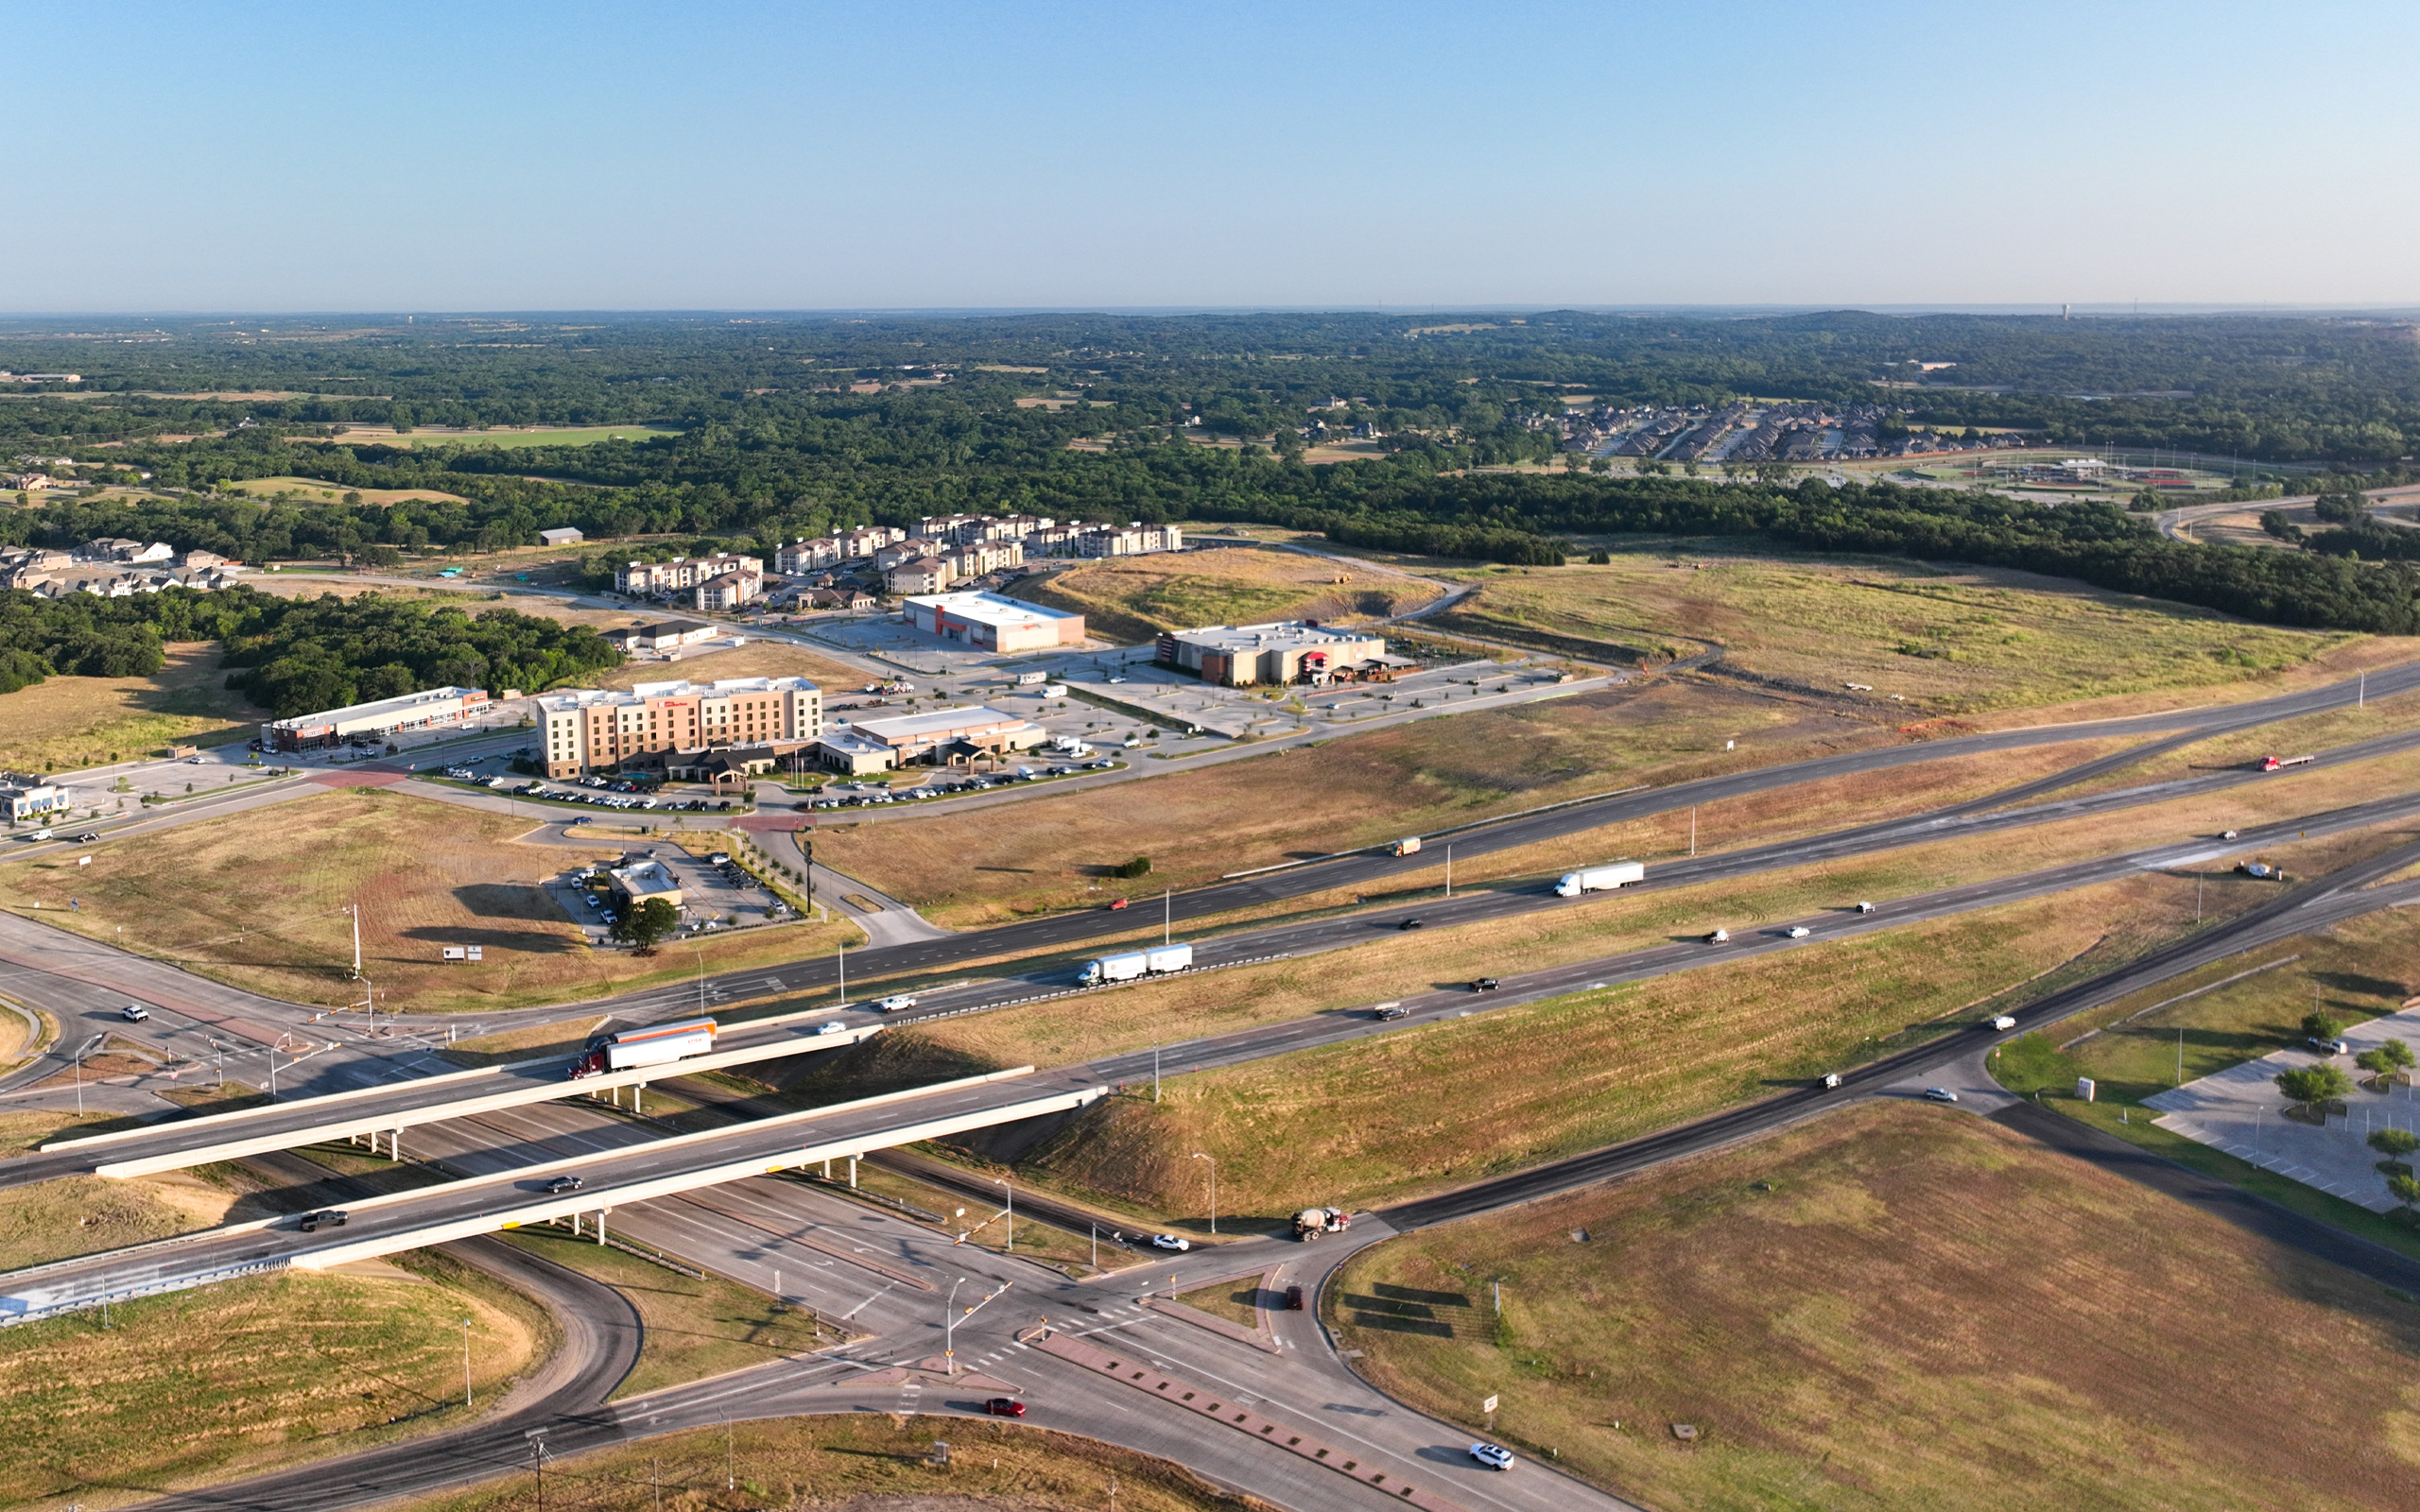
(1488, 1405)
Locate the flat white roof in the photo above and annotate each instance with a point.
(377, 707)
(939, 722)
(639, 692)
(994, 610)
(1235, 638)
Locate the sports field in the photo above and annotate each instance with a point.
(258, 900)
(1947, 643)
(1899, 1306)
(63, 721)
(1134, 599)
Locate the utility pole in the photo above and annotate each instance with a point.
(1009, 1247)
(1449, 871)
(949, 1329)
(1214, 1192)
(466, 1361)
(1166, 915)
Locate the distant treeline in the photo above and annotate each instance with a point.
(295, 656)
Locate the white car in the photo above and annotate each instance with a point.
(1865, 908)
(896, 1004)
(1799, 932)
(1941, 1094)
(835, 1026)
(1720, 937)
(1175, 1241)
(1495, 1456)
(135, 1013)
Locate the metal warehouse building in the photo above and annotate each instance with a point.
(994, 623)
(1238, 656)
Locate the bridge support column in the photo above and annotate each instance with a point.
(600, 1225)
(638, 1098)
(827, 1168)
(575, 1223)
(852, 1173)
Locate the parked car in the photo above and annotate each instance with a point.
(1172, 1241)
(1004, 1407)
(1495, 1456)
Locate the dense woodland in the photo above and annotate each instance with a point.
(797, 424)
(295, 656)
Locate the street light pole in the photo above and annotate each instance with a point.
(949, 1329)
(1002, 1183)
(466, 1361)
(1214, 1193)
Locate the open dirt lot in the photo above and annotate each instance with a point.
(757, 658)
(258, 900)
(1898, 1306)
(1960, 641)
(506, 436)
(200, 1386)
(1134, 599)
(70, 722)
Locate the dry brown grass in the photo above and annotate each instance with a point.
(1134, 599)
(757, 658)
(85, 1215)
(257, 899)
(856, 1463)
(315, 490)
(202, 1386)
(1898, 1306)
(69, 721)
(1951, 642)
(1049, 853)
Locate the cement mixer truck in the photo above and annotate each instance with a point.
(1312, 1222)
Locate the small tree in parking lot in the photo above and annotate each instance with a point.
(2404, 1190)
(2395, 1145)
(2386, 1060)
(646, 926)
(2315, 1084)
(2317, 1025)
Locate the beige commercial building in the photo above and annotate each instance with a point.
(596, 727)
(1239, 656)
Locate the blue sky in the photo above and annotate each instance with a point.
(433, 156)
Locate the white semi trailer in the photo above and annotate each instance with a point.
(1600, 879)
(655, 1045)
(1132, 965)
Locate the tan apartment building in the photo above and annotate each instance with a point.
(682, 574)
(593, 728)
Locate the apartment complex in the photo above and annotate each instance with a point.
(1041, 535)
(992, 622)
(593, 727)
(647, 579)
(814, 553)
(1239, 656)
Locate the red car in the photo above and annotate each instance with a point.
(1004, 1407)
(1115, 906)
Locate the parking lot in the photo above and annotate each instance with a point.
(712, 896)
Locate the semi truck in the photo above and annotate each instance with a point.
(1132, 965)
(2278, 764)
(655, 1045)
(1600, 879)
(1312, 1222)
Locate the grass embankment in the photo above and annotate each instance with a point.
(62, 723)
(207, 1386)
(255, 900)
(85, 1215)
(1948, 642)
(693, 1329)
(860, 1462)
(2201, 1021)
(1134, 599)
(1896, 1306)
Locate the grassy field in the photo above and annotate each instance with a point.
(85, 1215)
(1958, 643)
(1133, 598)
(69, 721)
(507, 436)
(855, 1464)
(694, 1329)
(257, 901)
(757, 658)
(207, 1386)
(315, 490)
(1901, 1307)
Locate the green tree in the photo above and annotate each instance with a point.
(2276, 524)
(2318, 1025)
(2404, 1190)
(2394, 1144)
(644, 927)
(2315, 1084)
(2386, 1060)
